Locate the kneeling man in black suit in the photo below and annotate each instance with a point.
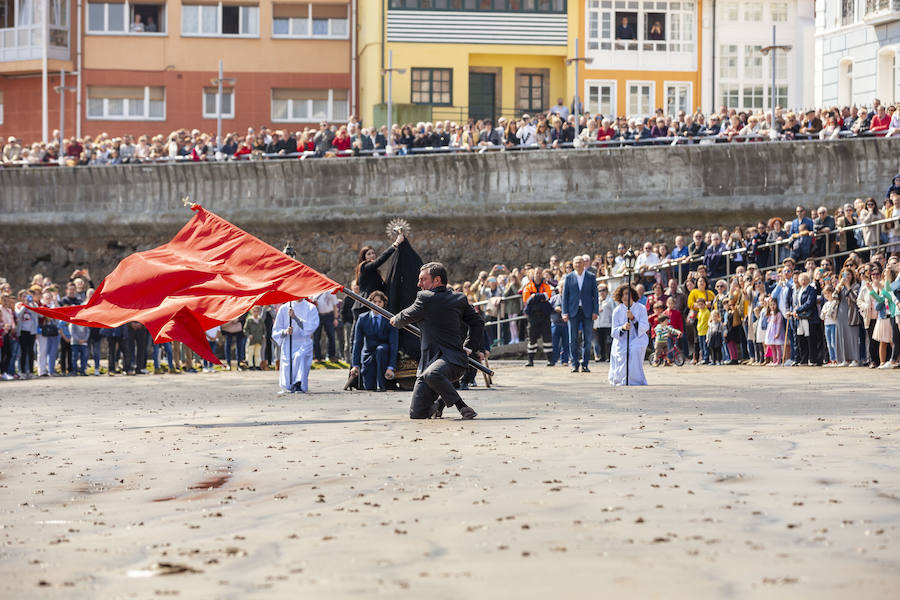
(439, 312)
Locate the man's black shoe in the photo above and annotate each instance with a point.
(575, 369)
(467, 413)
(585, 370)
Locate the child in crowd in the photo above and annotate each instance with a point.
(211, 335)
(829, 316)
(79, 334)
(774, 332)
(664, 332)
(255, 331)
(702, 316)
(653, 318)
(714, 337)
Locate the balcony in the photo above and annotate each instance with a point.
(26, 43)
(879, 12)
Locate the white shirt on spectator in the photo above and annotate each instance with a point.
(647, 259)
(325, 302)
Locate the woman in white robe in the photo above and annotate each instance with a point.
(296, 346)
(623, 328)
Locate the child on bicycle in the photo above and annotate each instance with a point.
(664, 333)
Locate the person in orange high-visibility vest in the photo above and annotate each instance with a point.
(536, 297)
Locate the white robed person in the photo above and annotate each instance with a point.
(629, 320)
(295, 323)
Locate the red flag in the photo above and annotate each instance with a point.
(210, 273)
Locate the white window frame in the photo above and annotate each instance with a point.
(604, 12)
(125, 116)
(125, 16)
(650, 109)
(214, 115)
(309, 28)
(787, 9)
(690, 95)
(723, 56)
(748, 55)
(756, 6)
(330, 116)
(201, 34)
(613, 85)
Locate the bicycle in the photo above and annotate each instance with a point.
(674, 356)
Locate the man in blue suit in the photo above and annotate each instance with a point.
(580, 306)
(810, 351)
(374, 347)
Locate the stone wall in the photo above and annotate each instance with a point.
(467, 210)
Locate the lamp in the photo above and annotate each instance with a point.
(630, 260)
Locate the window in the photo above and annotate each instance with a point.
(125, 17)
(210, 96)
(531, 92)
(219, 19)
(728, 61)
(678, 98)
(122, 103)
(640, 25)
(730, 11)
(310, 105)
(539, 6)
(848, 12)
(601, 98)
(753, 12)
(730, 95)
(431, 86)
(310, 20)
(754, 97)
(779, 12)
(640, 99)
(753, 62)
(781, 65)
(781, 95)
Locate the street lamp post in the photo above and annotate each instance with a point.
(61, 89)
(576, 60)
(221, 79)
(630, 260)
(390, 72)
(765, 50)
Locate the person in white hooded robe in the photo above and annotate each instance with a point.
(295, 323)
(624, 327)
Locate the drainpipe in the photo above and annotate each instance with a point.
(353, 58)
(78, 71)
(712, 108)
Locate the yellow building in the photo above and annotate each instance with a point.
(463, 58)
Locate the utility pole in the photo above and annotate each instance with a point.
(61, 89)
(221, 79)
(390, 72)
(576, 60)
(765, 50)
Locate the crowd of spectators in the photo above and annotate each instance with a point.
(822, 288)
(737, 296)
(555, 128)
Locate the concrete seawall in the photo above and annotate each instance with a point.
(468, 210)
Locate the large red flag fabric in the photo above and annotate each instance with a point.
(210, 273)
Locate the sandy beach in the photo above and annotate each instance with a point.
(723, 482)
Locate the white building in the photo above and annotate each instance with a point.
(735, 71)
(856, 51)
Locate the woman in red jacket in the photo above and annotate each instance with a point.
(342, 139)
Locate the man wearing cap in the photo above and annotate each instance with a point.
(527, 133)
(812, 124)
(12, 151)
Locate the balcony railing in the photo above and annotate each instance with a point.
(26, 42)
(882, 11)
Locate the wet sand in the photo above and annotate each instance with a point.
(717, 483)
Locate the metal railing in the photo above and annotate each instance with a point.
(399, 151)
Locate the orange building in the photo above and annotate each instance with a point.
(148, 67)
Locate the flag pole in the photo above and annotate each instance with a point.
(414, 330)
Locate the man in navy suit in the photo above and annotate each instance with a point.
(374, 347)
(580, 306)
